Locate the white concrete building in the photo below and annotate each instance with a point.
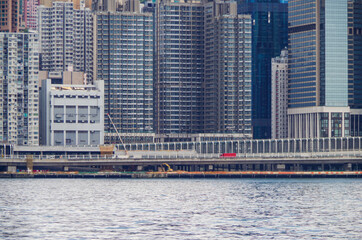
(71, 115)
(279, 101)
(19, 88)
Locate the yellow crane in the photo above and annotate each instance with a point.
(169, 169)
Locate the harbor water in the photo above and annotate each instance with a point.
(180, 209)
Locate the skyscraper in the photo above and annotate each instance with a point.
(19, 88)
(203, 69)
(66, 38)
(227, 74)
(280, 95)
(318, 69)
(269, 37)
(124, 47)
(355, 65)
(179, 67)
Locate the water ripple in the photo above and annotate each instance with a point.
(180, 209)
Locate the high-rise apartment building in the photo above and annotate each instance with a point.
(104, 5)
(179, 67)
(279, 95)
(10, 17)
(318, 69)
(203, 69)
(76, 3)
(269, 37)
(66, 38)
(124, 49)
(19, 88)
(227, 69)
(31, 14)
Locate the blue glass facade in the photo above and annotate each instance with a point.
(318, 50)
(336, 54)
(269, 37)
(355, 53)
(318, 68)
(303, 57)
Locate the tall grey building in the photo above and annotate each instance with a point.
(66, 38)
(279, 95)
(203, 68)
(124, 47)
(227, 73)
(19, 88)
(179, 67)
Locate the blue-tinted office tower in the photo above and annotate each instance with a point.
(269, 37)
(355, 65)
(318, 103)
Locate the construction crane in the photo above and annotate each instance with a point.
(119, 136)
(169, 169)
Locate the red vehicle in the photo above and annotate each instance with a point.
(228, 155)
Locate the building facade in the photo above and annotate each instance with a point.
(10, 16)
(179, 67)
(269, 37)
(71, 115)
(227, 69)
(104, 5)
(66, 38)
(202, 69)
(280, 95)
(76, 3)
(19, 88)
(124, 47)
(355, 65)
(31, 14)
(318, 69)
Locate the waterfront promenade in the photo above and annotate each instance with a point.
(325, 154)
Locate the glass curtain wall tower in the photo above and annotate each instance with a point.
(355, 65)
(318, 69)
(269, 37)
